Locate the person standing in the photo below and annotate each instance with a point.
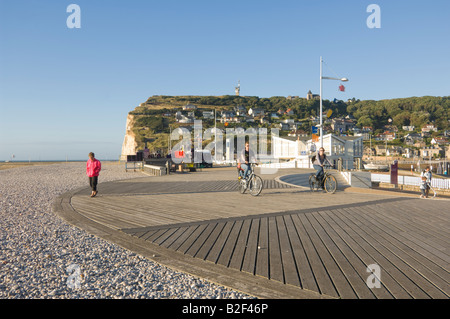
(423, 187)
(93, 168)
(428, 175)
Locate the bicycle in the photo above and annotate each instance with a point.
(252, 182)
(329, 182)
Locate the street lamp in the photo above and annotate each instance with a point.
(324, 78)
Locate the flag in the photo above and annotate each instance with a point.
(329, 113)
(342, 88)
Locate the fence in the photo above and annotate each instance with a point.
(438, 183)
(154, 170)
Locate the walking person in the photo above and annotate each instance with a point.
(93, 168)
(428, 175)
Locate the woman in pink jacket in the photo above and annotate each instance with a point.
(93, 168)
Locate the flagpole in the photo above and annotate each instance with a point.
(321, 120)
(327, 78)
(215, 136)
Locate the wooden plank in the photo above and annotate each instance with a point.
(367, 255)
(200, 240)
(340, 282)
(400, 219)
(262, 258)
(356, 279)
(351, 253)
(387, 265)
(156, 235)
(180, 240)
(138, 234)
(165, 236)
(291, 276)
(241, 243)
(249, 262)
(275, 261)
(117, 218)
(410, 215)
(421, 210)
(110, 221)
(192, 238)
(207, 245)
(430, 252)
(424, 264)
(407, 265)
(429, 236)
(216, 250)
(437, 222)
(171, 240)
(227, 251)
(307, 279)
(323, 280)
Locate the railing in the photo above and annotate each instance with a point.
(154, 170)
(134, 166)
(438, 183)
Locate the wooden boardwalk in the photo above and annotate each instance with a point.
(317, 242)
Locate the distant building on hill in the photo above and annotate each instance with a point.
(189, 107)
(311, 96)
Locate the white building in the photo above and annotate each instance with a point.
(255, 112)
(347, 149)
(189, 107)
(209, 115)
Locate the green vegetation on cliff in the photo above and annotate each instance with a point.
(157, 116)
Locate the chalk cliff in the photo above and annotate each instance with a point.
(129, 142)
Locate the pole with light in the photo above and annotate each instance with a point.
(321, 115)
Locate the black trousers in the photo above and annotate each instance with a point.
(93, 182)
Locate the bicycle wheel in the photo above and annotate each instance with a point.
(242, 186)
(330, 184)
(313, 184)
(256, 185)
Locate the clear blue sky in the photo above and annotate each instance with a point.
(66, 92)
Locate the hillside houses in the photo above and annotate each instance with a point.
(189, 107)
(407, 141)
(256, 112)
(342, 125)
(429, 128)
(432, 152)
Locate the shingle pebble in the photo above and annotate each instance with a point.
(42, 256)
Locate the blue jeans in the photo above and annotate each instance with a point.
(319, 172)
(246, 169)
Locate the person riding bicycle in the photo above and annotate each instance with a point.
(244, 159)
(318, 163)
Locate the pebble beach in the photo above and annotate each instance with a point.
(40, 253)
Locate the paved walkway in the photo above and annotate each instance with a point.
(285, 243)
